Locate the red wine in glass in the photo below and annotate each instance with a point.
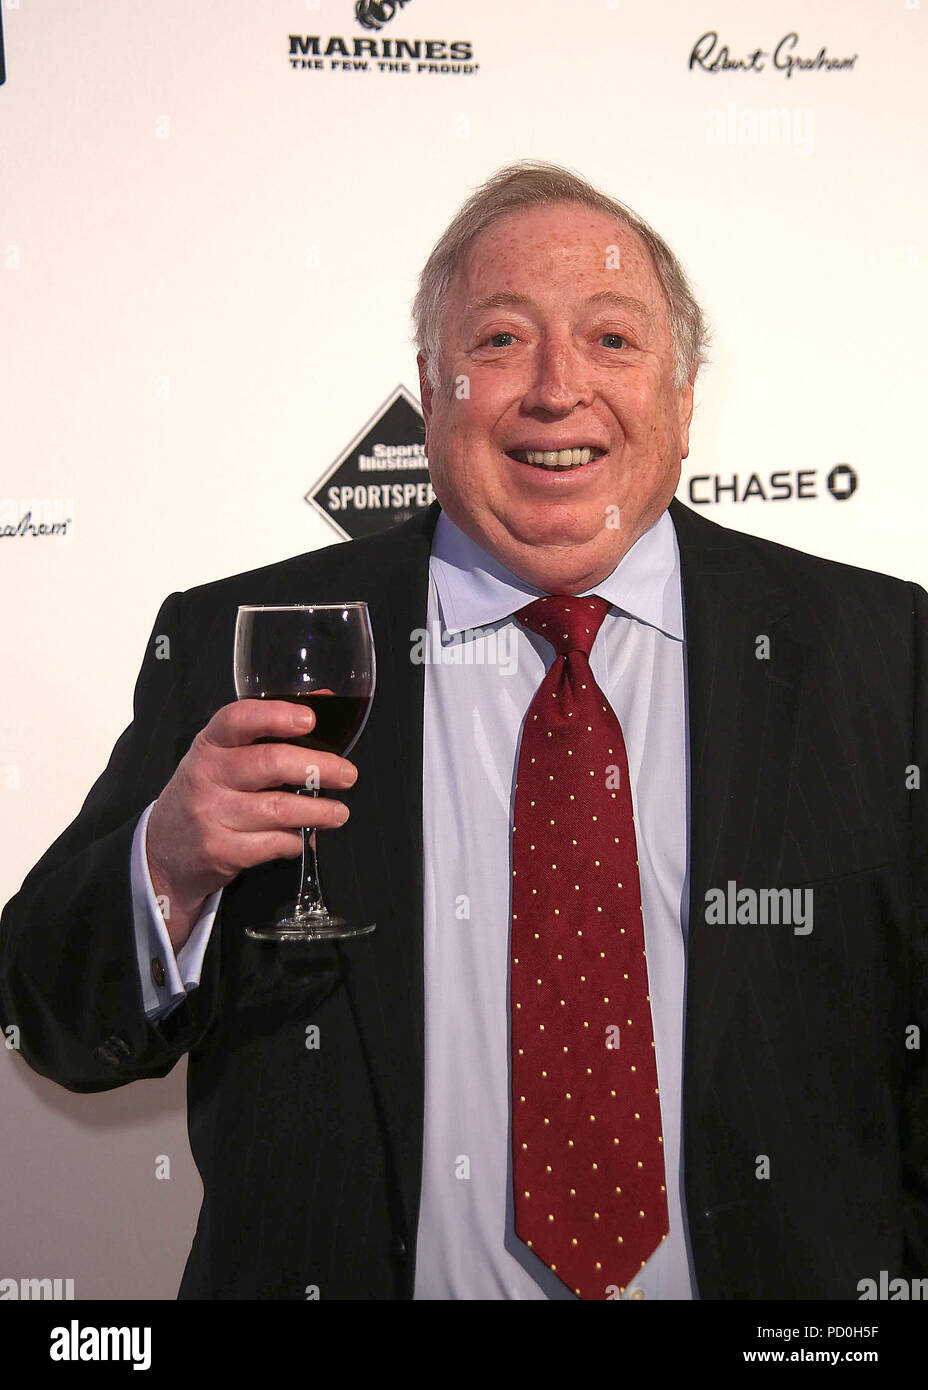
(320, 656)
(339, 719)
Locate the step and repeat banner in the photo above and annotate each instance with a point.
(212, 220)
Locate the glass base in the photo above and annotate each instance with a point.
(308, 926)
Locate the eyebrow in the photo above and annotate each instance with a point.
(507, 300)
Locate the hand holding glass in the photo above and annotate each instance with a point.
(319, 655)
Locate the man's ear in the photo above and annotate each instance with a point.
(425, 388)
(685, 416)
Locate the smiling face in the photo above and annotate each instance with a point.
(556, 337)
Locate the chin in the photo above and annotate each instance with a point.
(559, 532)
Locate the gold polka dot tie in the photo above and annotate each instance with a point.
(588, 1165)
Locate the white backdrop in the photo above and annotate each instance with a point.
(207, 258)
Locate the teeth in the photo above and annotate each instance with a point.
(556, 458)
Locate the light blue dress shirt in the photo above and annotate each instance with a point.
(482, 671)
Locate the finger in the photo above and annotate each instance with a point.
(260, 848)
(264, 765)
(243, 721)
(253, 812)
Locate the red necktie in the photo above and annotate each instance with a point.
(588, 1163)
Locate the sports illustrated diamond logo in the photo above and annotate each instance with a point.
(382, 478)
(842, 482)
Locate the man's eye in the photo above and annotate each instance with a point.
(492, 340)
(614, 340)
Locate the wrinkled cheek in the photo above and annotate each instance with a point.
(452, 469)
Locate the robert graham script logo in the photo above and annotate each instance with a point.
(335, 53)
(35, 517)
(713, 57)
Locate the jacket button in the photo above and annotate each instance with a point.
(157, 971)
(398, 1248)
(113, 1051)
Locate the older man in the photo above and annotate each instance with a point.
(640, 1017)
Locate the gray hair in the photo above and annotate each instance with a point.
(527, 184)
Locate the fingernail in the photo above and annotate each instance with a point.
(349, 775)
(341, 813)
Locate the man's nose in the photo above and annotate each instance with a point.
(561, 378)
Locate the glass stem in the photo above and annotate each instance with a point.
(310, 899)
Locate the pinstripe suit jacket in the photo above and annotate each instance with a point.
(795, 1045)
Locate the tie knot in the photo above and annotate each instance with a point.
(569, 623)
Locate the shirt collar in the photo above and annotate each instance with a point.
(475, 590)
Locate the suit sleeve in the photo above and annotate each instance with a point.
(69, 978)
(915, 1096)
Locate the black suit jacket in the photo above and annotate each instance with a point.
(795, 1046)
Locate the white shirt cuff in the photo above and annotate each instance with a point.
(165, 978)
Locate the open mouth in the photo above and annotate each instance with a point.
(558, 460)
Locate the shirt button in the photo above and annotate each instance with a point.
(636, 1293)
(157, 971)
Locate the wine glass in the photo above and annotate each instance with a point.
(320, 655)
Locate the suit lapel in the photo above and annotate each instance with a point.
(742, 713)
(380, 866)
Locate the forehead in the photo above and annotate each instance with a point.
(565, 248)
